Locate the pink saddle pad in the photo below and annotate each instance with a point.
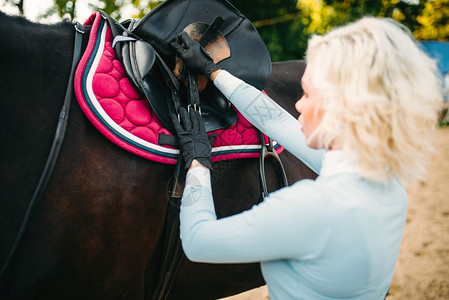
(123, 115)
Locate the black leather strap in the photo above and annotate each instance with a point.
(54, 151)
(172, 253)
(173, 83)
(209, 34)
(194, 93)
(166, 139)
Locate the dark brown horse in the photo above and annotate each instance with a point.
(97, 231)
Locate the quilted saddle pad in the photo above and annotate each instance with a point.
(123, 115)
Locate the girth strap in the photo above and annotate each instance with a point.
(172, 253)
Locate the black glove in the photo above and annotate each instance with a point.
(193, 140)
(193, 55)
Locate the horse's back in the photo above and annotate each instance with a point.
(95, 228)
(284, 85)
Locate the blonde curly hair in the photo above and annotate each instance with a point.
(380, 97)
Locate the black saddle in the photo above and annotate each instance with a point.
(144, 48)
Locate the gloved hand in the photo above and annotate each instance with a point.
(193, 55)
(193, 140)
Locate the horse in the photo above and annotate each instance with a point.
(97, 230)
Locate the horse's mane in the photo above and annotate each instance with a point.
(32, 53)
(13, 23)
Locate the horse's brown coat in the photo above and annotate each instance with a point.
(97, 231)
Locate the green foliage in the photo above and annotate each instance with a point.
(111, 7)
(434, 21)
(63, 8)
(286, 29)
(67, 8)
(286, 25)
(144, 8)
(276, 22)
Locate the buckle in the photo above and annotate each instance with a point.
(79, 28)
(194, 107)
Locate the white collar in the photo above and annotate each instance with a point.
(339, 162)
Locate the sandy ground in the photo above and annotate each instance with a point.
(422, 271)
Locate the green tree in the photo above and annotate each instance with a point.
(65, 8)
(433, 23)
(286, 29)
(286, 25)
(319, 16)
(276, 22)
(112, 7)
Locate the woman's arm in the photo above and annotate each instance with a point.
(268, 117)
(282, 226)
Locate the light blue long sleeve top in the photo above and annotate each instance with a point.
(336, 237)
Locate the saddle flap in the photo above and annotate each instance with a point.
(250, 60)
(162, 24)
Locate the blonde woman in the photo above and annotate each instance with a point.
(370, 104)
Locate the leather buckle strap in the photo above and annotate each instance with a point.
(209, 34)
(54, 151)
(194, 95)
(172, 253)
